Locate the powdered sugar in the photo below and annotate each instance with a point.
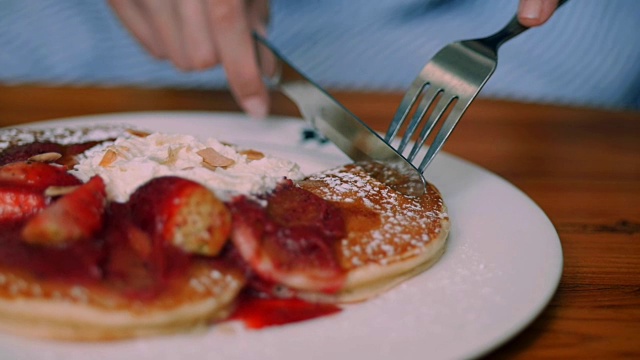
(64, 136)
(404, 227)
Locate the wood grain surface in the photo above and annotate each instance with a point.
(580, 165)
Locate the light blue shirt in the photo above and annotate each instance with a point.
(588, 54)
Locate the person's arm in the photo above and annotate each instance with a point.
(199, 34)
(536, 12)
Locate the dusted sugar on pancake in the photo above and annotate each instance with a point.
(60, 135)
(383, 223)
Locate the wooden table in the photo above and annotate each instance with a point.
(582, 167)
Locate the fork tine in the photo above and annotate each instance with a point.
(436, 115)
(447, 128)
(427, 100)
(407, 102)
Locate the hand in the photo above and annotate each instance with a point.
(199, 34)
(536, 12)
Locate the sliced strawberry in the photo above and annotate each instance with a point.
(19, 203)
(36, 175)
(183, 213)
(75, 216)
(291, 242)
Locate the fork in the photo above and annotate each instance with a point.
(447, 85)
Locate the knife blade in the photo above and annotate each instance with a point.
(334, 121)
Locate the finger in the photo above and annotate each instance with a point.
(196, 37)
(536, 12)
(258, 15)
(258, 11)
(235, 47)
(163, 15)
(139, 25)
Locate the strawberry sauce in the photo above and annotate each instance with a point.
(75, 263)
(257, 312)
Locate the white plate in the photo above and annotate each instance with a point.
(502, 266)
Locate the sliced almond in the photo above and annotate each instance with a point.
(252, 154)
(172, 156)
(59, 190)
(212, 159)
(109, 158)
(210, 167)
(46, 157)
(138, 133)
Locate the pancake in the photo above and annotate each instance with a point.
(48, 309)
(390, 236)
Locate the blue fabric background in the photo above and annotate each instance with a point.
(588, 54)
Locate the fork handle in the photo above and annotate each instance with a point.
(511, 30)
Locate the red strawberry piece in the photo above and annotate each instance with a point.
(19, 203)
(36, 175)
(183, 213)
(75, 216)
(292, 241)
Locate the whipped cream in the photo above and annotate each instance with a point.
(131, 161)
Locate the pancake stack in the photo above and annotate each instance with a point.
(385, 238)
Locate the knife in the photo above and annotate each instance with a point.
(334, 121)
